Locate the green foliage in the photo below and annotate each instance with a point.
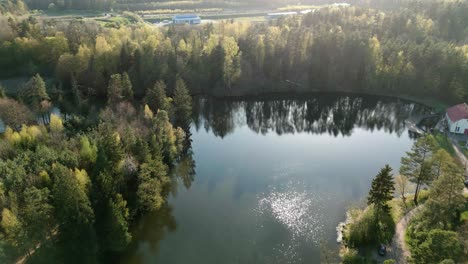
(416, 165)
(74, 214)
(182, 104)
(37, 215)
(156, 97)
(151, 181)
(352, 257)
(389, 261)
(370, 228)
(88, 152)
(114, 89)
(117, 233)
(382, 190)
(35, 92)
(436, 246)
(127, 87)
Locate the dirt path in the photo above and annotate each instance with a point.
(462, 158)
(400, 251)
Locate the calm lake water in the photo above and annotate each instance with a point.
(271, 178)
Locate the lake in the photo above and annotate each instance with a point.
(271, 178)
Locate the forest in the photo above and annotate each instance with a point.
(416, 51)
(125, 97)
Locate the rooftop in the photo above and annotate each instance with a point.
(458, 112)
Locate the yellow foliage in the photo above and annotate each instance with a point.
(45, 178)
(34, 132)
(27, 134)
(148, 113)
(56, 124)
(117, 137)
(10, 224)
(82, 177)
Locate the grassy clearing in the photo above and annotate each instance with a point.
(67, 13)
(297, 7)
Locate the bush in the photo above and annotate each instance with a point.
(352, 257)
(134, 18)
(371, 229)
(435, 246)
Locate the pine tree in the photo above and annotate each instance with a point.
(382, 190)
(114, 89)
(127, 87)
(416, 166)
(35, 92)
(156, 97)
(182, 105)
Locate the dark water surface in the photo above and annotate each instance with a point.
(273, 177)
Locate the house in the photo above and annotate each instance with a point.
(457, 119)
(186, 19)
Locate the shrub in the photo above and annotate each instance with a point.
(435, 246)
(371, 229)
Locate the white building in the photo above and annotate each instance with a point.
(457, 119)
(186, 19)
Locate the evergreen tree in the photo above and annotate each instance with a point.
(182, 105)
(152, 180)
(35, 92)
(127, 87)
(415, 165)
(156, 97)
(117, 235)
(74, 215)
(114, 89)
(382, 190)
(445, 199)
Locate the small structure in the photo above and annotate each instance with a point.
(190, 19)
(457, 119)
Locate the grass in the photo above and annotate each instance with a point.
(443, 142)
(464, 216)
(297, 7)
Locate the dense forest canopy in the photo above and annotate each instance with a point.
(414, 51)
(124, 92)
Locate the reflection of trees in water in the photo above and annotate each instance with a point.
(152, 227)
(319, 114)
(147, 233)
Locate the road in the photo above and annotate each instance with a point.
(400, 250)
(461, 157)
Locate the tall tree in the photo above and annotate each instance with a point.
(37, 215)
(127, 87)
(35, 95)
(382, 190)
(182, 105)
(114, 89)
(117, 235)
(156, 97)
(415, 165)
(74, 215)
(401, 187)
(445, 198)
